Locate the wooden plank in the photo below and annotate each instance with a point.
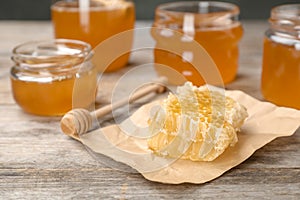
(64, 183)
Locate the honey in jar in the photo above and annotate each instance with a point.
(214, 25)
(45, 74)
(94, 21)
(280, 81)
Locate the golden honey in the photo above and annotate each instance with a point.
(94, 22)
(52, 77)
(280, 82)
(213, 25)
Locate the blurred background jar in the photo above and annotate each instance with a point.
(93, 21)
(51, 77)
(280, 81)
(214, 25)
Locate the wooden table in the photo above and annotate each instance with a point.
(37, 161)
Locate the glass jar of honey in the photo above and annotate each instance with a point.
(214, 25)
(94, 21)
(280, 81)
(44, 75)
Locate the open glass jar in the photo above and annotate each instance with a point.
(45, 72)
(214, 25)
(280, 82)
(94, 21)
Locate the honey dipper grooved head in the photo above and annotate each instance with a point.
(76, 122)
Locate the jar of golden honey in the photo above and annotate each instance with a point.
(44, 75)
(94, 21)
(280, 81)
(214, 25)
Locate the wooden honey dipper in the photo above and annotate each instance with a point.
(78, 121)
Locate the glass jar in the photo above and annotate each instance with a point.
(214, 25)
(44, 75)
(280, 81)
(93, 21)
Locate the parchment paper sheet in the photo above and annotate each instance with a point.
(265, 123)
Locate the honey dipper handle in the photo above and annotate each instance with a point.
(156, 86)
(79, 121)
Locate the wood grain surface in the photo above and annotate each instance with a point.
(37, 161)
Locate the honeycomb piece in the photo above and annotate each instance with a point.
(196, 124)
